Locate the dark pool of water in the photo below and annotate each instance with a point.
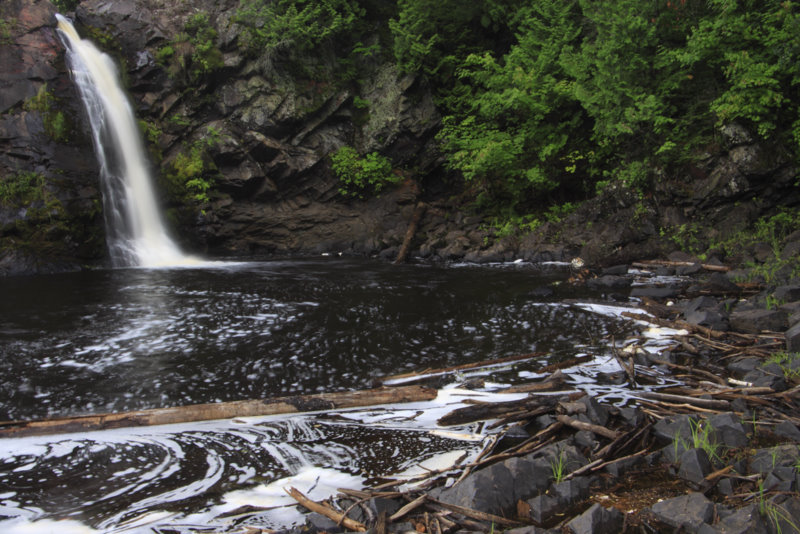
(131, 339)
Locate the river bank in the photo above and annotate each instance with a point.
(717, 454)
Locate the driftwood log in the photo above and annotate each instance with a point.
(222, 410)
(419, 210)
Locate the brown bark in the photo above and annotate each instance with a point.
(419, 210)
(222, 410)
(330, 513)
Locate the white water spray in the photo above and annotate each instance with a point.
(135, 231)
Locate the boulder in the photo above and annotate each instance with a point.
(727, 430)
(489, 490)
(787, 293)
(694, 466)
(793, 338)
(746, 520)
(787, 430)
(686, 512)
(757, 321)
(597, 520)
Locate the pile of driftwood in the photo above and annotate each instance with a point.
(707, 389)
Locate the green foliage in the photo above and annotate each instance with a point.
(22, 189)
(190, 176)
(702, 438)
(434, 36)
(66, 5)
(513, 225)
(360, 103)
(558, 467)
(152, 133)
(751, 49)
(56, 124)
(358, 174)
(6, 29)
(193, 54)
(297, 24)
(587, 93)
(772, 230)
(788, 362)
(558, 212)
(515, 129)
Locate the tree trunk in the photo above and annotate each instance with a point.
(222, 410)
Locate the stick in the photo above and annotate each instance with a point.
(222, 410)
(474, 514)
(580, 425)
(348, 523)
(702, 403)
(416, 503)
(710, 376)
(629, 370)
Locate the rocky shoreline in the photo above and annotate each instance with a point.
(719, 454)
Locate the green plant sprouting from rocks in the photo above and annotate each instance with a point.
(6, 28)
(361, 174)
(702, 437)
(773, 511)
(190, 176)
(558, 467)
(22, 189)
(56, 124)
(788, 362)
(193, 53)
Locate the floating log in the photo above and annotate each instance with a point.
(551, 383)
(666, 263)
(420, 375)
(492, 410)
(222, 410)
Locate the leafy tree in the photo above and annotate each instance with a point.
(297, 24)
(434, 36)
(517, 130)
(752, 51)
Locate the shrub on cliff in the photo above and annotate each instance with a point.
(362, 174)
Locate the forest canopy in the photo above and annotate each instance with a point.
(549, 100)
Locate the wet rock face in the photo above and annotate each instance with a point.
(278, 124)
(56, 224)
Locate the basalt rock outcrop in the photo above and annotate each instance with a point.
(49, 200)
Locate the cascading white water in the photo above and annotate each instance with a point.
(135, 231)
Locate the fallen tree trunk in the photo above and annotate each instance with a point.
(222, 410)
(419, 210)
(666, 263)
(421, 375)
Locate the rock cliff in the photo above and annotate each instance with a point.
(242, 145)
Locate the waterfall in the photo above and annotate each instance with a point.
(135, 230)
